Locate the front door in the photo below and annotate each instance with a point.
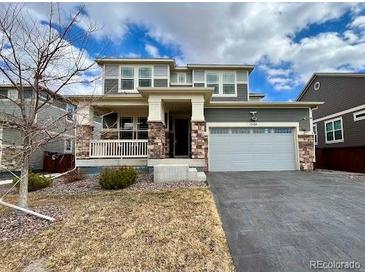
(181, 147)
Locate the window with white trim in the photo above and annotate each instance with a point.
(229, 83)
(315, 132)
(334, 131)
(213, 81)
(127, 78)
(198, 76)
(68, 145)
(181, 77)
(145, 77)
(360, 115)
(133, 128)
(70, 109)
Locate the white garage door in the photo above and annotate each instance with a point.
(249, 149)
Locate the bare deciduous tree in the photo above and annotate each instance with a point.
(39, 55)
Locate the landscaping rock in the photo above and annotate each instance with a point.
(16, 224)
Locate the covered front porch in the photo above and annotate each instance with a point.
(159, 126)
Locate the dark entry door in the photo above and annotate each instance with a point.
(182, 137)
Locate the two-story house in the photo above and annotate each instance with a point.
(339, 124)
(203, 115)
(58, 113)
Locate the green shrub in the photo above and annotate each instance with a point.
(117, 178)
(36, 181)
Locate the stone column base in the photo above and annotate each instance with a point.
(306, 152)
(199, 141)
(156, 140)
(84, 135)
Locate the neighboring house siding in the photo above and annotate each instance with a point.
(263, 115)
(241, 94)
(11, 136)
(353, 132)
(338, 94)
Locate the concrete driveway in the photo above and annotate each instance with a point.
(280, 221)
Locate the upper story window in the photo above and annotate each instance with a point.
(213, 81)
(229, 83)
(334, 131)
(70, 109)
(127, 78)
(198, 77)
(360, 115)
(145, 77)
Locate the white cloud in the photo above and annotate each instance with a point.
(249, 33)
(152, 50)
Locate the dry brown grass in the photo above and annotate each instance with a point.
(176, 230)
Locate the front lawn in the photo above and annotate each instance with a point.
(164, 230)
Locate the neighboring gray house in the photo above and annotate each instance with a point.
(201, 115)
(339, 124)
(11, 139)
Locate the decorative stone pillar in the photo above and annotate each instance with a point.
(306, 152)
(199, 141)
(84, 134)
(156, 140)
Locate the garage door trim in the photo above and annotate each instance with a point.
(294, 125)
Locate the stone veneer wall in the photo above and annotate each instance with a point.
(199, 142)
(10, 157)
(84, 135)
(306, 152)
(156, 140)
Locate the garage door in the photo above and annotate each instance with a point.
(249, 149)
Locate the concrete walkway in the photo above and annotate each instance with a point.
(281, 221)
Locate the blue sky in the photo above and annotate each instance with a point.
(286, 41)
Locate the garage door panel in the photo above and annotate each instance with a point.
(245, 149)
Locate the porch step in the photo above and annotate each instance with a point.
(193, 173)
(174, 173)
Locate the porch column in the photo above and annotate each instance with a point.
(306, 151)
(156, 128)
(84, 130)
(199, 137)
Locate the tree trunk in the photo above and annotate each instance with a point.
(23, 185)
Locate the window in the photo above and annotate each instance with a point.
(198, 76)
(68, 145)
(334, 131)
(133, 128)
(229, 83)
(4, 94)
(360, 115)
(145, 77)
(111, 78)
(213, 81)
(70, 109)
(160, 71)
(43, 96)
(241, 76)
(127, 81)
(315, 132)
(181, 77)
(110, 120)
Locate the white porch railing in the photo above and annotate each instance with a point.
(118, 149)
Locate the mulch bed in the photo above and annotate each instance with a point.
(16, 224)
(91, 184)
